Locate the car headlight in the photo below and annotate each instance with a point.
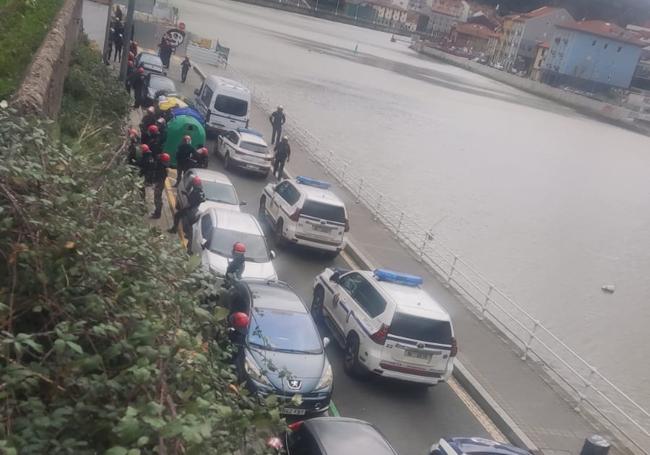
(254, 372)
(326, 379)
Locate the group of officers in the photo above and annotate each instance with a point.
(145, 152)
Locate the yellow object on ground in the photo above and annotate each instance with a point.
(171, 103)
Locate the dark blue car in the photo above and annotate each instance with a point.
(476, 446)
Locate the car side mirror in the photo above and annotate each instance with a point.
(273, 255)
(243, 203)
(335, 277)
(196, 91)
(326, 342)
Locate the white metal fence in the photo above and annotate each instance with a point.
(592, 391)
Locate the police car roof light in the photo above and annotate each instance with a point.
(312, 182)
(250, 131)
(397, 277)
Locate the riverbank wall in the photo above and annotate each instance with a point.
(607, 112)
(323, 14)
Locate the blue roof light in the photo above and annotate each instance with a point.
(312, 182)
(250, 131)
(398, 278)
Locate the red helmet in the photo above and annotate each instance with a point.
(152, 129)
(164, 157)
(239, 320)
(145, 148)
(187, 139)
(133, 132)
(141, 70)
(203, 151)
(196, 181)
(239, 247)
(181, 26)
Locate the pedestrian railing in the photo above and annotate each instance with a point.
(591, 390)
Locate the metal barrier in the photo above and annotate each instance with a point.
(592, 391)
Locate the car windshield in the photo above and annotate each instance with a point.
(421, 329)
(222, 240)
(219, 192)
(253, 147)
(150, 59)
(323, 211)
(230, 105)
(161, 83)
(288, 331)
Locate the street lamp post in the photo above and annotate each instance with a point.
(316, 6)
(356, 13)
(336, 13)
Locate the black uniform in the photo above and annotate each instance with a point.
(132, 156)
(147, 120)
(159, 175)
(118, 42)
(185, 68)
(147, 165)
(282, 154)
(195, 198)
(199, 161)
(184, 155)
(139, 88)
(236, 266)
(277, 119)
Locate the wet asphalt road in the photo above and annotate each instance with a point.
(411, 418)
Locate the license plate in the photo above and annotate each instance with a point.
(294, 411)
(321, 228)
(418, 355)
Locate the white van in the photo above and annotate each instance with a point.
(224, 103)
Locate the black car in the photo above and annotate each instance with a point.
(282, 353)
(336, 436)
(157, 86)
(150, 62)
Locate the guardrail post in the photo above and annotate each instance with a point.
(345, 167)
(328, 164)
(427, 236)
(588, 385)
(399, 224)
(451, 270)
(487, 302)
(378, 206)
(531, 338)
(359, 190)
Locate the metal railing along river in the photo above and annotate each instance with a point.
(590, 389)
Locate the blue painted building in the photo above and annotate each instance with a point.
(593, 56)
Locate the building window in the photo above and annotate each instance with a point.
(593, 43)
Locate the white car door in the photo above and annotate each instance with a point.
(202, 230)
(273, 205)
(343, 301)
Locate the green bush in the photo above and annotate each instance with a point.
(101, 349)
(23, 25)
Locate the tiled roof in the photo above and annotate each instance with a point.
(445, 11)
(539, 12)
(604, 29)
(478, 30)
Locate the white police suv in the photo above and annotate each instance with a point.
(387, 324)
(304, 211)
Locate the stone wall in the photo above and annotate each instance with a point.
(41, 90)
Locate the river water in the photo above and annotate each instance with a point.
(548, 204)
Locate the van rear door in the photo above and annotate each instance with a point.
(419, 342)
(229, 112)
(322, 222)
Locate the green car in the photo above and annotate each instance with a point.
(179, 126)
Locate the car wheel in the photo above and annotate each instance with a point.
(261, 212)
(279, 240)
(351, 363)
(317, 305)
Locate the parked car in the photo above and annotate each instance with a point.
(336, 436)
(214, 235)
(224, 103)
(282, 353)
(474, 446)
(387, 324)
(150, 62)
(219, 190)
(245, 149)
(157, 86)
(305, 212)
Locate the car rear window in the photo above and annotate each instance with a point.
(324, 211)
(421, 329)
(257, 148)
(230, 105)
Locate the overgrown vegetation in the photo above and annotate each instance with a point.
(23, 25)
(100, 329)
